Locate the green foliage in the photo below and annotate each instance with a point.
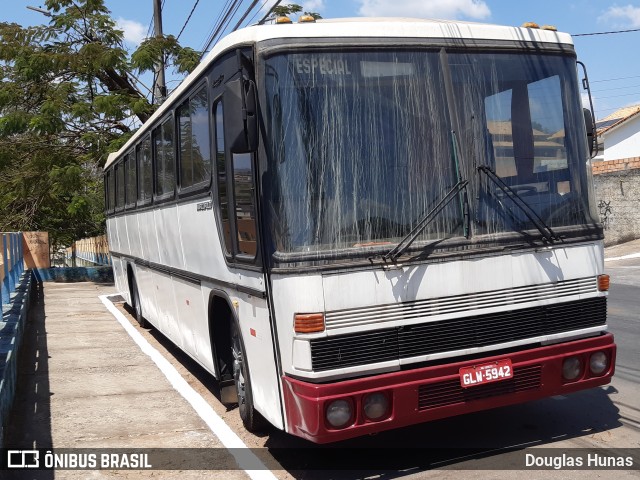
(292, 9)
(66, 101)
(284, 10)
(151, 49)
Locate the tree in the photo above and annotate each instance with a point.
(68, 98)
(291, 9)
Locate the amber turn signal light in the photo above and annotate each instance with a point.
(603, 283)
(308, 322)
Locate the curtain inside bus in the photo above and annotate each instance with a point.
(360, 145)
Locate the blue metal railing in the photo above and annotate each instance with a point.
(12, 264)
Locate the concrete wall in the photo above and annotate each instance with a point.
(617, 185)
(623, 141)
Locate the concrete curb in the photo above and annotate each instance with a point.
(14, 317)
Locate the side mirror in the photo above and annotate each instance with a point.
(240, 115)
(591, 130)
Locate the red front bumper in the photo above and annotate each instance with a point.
(431, 393)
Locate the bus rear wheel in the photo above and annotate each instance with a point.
(137, 306)
(251, 418)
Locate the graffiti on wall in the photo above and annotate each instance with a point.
(605, 211)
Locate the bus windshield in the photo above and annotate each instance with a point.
(362, 144)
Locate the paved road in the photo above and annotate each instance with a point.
(603, 417)
(607, 417)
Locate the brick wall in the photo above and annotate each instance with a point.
(617, 185)
(608, 166)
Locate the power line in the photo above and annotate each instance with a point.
(269, 12)
(246, 13)
(188, 18)
(209, 38)
(622, 95)
(257, 12)
(615, 88)
(604, 33)
(614, 79)
(223, 23)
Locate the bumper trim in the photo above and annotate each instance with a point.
(305, 402)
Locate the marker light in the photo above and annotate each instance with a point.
(283, 20)
(598, 363)
(339, 413)
(603, 282)
(530, 25)
(308, 322)
(571, 368)
(551, 28)
(306, 19)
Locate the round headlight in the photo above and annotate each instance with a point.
(571, 368)
(339, 413)
(375, 406)
(598, 363)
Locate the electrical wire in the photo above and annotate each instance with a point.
(222, 25)
(614, 79)
(246, 13)
(188, 18)
(257, 12)
(604, 33)
(269, 12)
(210, 35)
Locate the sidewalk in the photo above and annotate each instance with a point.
(622, 249)
(84, 383)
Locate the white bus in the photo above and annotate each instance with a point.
(357, 225)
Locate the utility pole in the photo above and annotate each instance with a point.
(160, 88)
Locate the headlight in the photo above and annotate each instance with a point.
(375, 406)
(598, 363)
(571, 368)
(339, 413)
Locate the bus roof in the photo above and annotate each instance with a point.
(357, 27)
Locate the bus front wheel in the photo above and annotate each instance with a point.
(251, 418)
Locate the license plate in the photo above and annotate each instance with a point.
(486, 373)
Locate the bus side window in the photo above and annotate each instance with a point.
(164, 157)
(120, 185)
(244, 203)
(131, 180)
(145, 179)
(193, 132)
(221, 169)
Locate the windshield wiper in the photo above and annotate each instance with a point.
(531, 214)
(406, 242)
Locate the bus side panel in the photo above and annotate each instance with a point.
(147, 291)
(253, 314)
(190, 313)
(121, 226)
(167, 230)
(166, 307)
(133, 232)
(200, 241)
(148, 237)
(112, 235)
(120, 277)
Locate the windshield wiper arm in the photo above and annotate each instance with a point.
(406, 242)
(531, 214)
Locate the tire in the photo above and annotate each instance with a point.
(137, 306)
(251, 418)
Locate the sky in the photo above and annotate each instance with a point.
(611, 59)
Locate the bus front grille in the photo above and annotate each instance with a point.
(450, 392)
(396, 343)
